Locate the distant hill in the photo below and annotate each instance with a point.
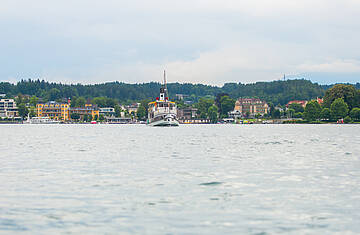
(356, 85)
(277, 92)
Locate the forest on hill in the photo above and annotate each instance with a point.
(276, 92)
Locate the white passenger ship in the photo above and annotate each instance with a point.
(42, 120)
(162, 112)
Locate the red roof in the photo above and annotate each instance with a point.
(302, 102)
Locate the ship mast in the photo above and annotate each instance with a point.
(166, 92)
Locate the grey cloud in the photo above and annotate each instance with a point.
(209, 41)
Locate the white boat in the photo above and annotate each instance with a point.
(162, 111)
(42, 120)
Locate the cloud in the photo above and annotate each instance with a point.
(234, 63)
(207, 41)
(337, 66)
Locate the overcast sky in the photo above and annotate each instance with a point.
(197, 41)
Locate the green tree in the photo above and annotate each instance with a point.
(117, 110)
(298, 115)
(54, 94)
(275, 91)
(100, 101)
(339, 109)
(85, 118)
(101, 117)
(203, 106)
(23, 110)
(75, 116)
(217, 100)
(325, 114)
(110, 102)
(297, 107)
(347, 119)
(271, 109)
(33, 101)
(203, 115)
(19, 99)
(32, 111)
(145, 104)
(291, 112)
(355, 114)
(312, 111)
(73, 102)
(180, 104)
(276, 113)
(226, 105)
(96, 117)
(213, 113)
(80, 102)
(141, 113)
(347, 92)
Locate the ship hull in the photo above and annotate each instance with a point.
(164, 123)
(168, 120)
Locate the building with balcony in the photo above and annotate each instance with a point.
(251, 106)
(53, 110)
(8, 108)
(132, 108)
(181, 96)
(186, 113)
(89, 109)
(107, 111)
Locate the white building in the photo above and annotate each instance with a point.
(8, 108)
(132, 108)
(108, 111)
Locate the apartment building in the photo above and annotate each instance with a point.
(89, 109)
(53, 110)
(251, 106)
(8, 108)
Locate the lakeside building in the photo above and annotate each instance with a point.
(186, 113)
(236, 114)
(8, 108)
(118, 120)
(319, 100)
(108, 111)
(132, 108)
(301, 102)
(89, 109)
(53, 110)
(251, 106)
(181, 96)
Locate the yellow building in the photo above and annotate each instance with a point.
(89, 109)
(54, 110)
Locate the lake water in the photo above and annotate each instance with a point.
(192, 179)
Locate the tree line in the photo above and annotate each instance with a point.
(340, 102)
(212, 102)
(276, 92)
